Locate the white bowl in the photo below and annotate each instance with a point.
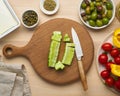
(32, 25)
(86, 23)
(46, 11)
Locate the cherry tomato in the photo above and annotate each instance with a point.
(107, 47)
(117, 85)
(109, 81)
(103, 58)
(114, 52)
(105, 74)
(117, 60)
(107, 65)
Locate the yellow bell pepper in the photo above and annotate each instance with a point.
(115, 69)
(116, 38)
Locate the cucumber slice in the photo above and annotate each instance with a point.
(70, 45)
(66, 38)
(68, 55)
(54, 48)
(57, 36)
(59, 65)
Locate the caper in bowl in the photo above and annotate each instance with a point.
(97, 14)
(30, 19)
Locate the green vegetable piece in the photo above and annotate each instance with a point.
(109, 14)
(83, 5)
(98, 0)
(53, 54)
(99, 23)
(104, 1)
(98, 4)
(109, 6)
(68, 55)
(85, 18)
(59, 66)
(105, 21)
(54, 48)
(94, 16)
(92, 23)
(88, 17)
(66, 38)
(92, 7)
(57, 36)
(70, 45)
(88, 10)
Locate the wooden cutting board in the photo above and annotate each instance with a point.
(38, 48)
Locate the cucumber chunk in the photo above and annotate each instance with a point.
(70, 45)
(57, 36)
(54, 48)
(59, 65)
(68, 55)
(66, 38)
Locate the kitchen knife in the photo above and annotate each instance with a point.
(79, 55)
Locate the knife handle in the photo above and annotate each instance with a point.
(82, 75)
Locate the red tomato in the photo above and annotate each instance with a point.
(114, 52)
(107, 47)
(117, 60)
(107, 65)
(103, 58)
(117, 85)
(109, 81)
(105, 74)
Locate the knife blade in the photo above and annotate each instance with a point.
(79, 55)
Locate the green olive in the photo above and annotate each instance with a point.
(98, 0)
(109, 14)
(83, 5)
(98, 4)
(103, 10)
(109, 6)
(105, 21)
(104, 1)
(88, 17)
(94, 15)
(99, 23)
(103, 15)
(84, 18)
(92, 7)
(92, 23)
(88, 10)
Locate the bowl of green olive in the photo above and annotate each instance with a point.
(97, 14)
(30, 18)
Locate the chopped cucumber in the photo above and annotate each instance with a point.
(68, 55)
(70, 45)
(54, 48)
(57, 36)
(66, 38)
(59, 66)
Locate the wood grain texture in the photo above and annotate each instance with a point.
(38, 48)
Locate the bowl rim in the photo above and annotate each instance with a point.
(113, 15)
(34, 25)
(49, 12)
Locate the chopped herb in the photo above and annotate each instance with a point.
(49, 5)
